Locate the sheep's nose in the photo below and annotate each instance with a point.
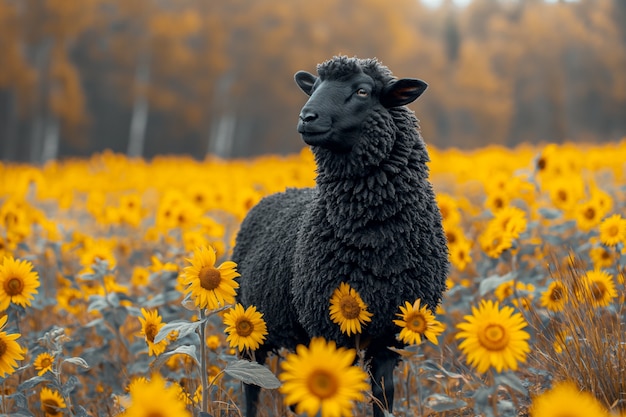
(308, 116)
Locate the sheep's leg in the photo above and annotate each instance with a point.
(382, 366)
(252, 391)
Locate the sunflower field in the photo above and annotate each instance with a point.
(117, 291)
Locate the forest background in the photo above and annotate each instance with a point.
(149, 77)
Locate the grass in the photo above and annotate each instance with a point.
(108, 236)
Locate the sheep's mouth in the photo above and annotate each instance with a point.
(326, 140)
(315, 138)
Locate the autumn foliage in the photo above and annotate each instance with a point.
(215, 76)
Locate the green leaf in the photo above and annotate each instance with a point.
(184, 328)
(252, 373)
(441, 403)
(489, 284)
(482, 405)
(31, 383)
(189, 350)
(511, 380)
(430, 365)
(77, 361)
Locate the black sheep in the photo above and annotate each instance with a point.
(371, 221)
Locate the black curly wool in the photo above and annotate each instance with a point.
(371, 221)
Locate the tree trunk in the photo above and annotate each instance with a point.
(42, 64)
(222, 127)
(50, 148)
(141, 107)
(224, 136)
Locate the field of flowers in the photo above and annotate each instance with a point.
(116, 291)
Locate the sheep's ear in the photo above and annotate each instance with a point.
(402, 92)
(305, 81)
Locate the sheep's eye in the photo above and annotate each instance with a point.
(361, 92)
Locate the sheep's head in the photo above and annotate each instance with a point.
(344, 95)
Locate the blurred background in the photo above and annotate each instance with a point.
(149, 77)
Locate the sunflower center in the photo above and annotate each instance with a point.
(416, 323)
(494, 337)
(244, 328)
(451, 237)
(322, 384)
(541, 164)
(350, 308)
(590, 213)
(3, 348)
(51, 407)
(45, 363)
(598, 290)
(508, 291)
(151, 332)
(155, 414)
(556, 294)
(562, 195)
(210, 278)
(613, 231)
(13, 286)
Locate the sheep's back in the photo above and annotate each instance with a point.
(264, 255)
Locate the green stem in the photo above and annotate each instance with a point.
(494, 393)
(4, 403)
(67, 398)
(203, 365)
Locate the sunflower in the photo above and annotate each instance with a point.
(18, 283)
(96, 251)
(449, 209)
(135, 382)
(460, 255)
(43, 363)
(182, 394)
(416, 322)
(497, 200)
(554, 297)
(510, 220)
(522, 293)
(348, 310)
(5, 250)
(155, 399)
(494, 241)
(151, 323)
(71, 300)
(494, 337)
(565, 399)
(565, 192)
(52, 403)
(613, 230)
(160, 266)
(10, 350)
(588, 214)
(210, 287)
(130, 211)
(454, 233)
(321, 379)
(213, 342)
(601, 257)
(600, 287)
(140, 277)
(246, 329)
